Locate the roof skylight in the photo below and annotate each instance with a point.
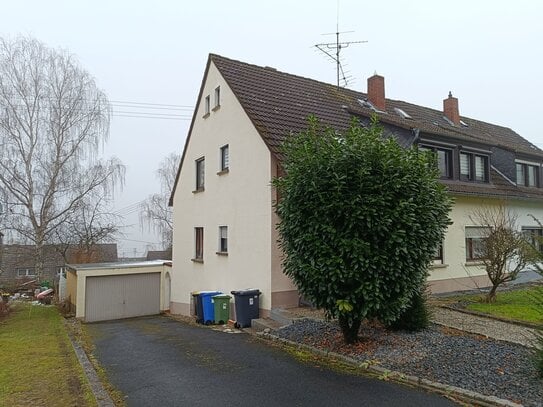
(402, 113)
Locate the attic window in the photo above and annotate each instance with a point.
(368, 105)
(402, 113)
(448, 121)
(207, 106)
(217, 98)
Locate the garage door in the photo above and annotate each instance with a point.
(122, 296)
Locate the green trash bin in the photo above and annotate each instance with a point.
(221, 304)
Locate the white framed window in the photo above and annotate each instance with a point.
(223, 239)
(534, 236)
(207, 105)
(475, 242)
(217, 99)
(200, 174)
(26, 272)
(225, 158)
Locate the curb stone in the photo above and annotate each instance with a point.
(465, 395)
(100, 394)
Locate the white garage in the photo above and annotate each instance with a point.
(105, 291)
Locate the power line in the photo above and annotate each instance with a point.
(149, 117)
(151, 104)
(133, 109)
(139, 241)
(187, 109)
(129, 207)
(151, 114)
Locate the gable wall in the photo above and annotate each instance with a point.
(240, 199)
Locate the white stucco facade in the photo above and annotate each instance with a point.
(456, 273)
(240, 199)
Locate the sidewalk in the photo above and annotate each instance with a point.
(491, 328)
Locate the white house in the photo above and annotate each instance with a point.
(224, 222)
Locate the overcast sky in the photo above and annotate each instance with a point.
(488, 53)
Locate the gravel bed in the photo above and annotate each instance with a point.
(444, 355)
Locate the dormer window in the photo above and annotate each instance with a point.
(474, 167)
(527, 175)
(444, 160)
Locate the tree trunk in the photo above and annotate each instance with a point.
(38, 252)
(39, 261)
(349, 328)
(491, 296)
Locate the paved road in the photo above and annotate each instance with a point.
(157, 361)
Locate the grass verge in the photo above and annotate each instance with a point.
(38, 364)
(514, 304)
(82, 336)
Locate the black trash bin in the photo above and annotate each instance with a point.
(198, 309)
(247, 306)
(199, 304)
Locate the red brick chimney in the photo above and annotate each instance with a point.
(376, 91)
(450, 109)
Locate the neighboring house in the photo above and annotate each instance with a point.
(224, 222)
(19, 261)
(159, 254)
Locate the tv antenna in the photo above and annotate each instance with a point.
(333, 50)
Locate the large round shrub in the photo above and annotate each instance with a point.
(361, 218)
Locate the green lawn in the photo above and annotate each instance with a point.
(521, 304)
(37, 364)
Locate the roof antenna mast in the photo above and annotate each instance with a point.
(329, 48)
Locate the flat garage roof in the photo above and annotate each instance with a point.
(118, 265)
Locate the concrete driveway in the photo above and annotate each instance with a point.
(157, 361)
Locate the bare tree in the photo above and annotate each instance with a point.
(88, 226)
(504, 251)
(53, 120)
(155, 213)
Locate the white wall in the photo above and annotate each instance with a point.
(455, 266)
(240, 199)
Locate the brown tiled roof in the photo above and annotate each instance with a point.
(500, 188)
(279, 103)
